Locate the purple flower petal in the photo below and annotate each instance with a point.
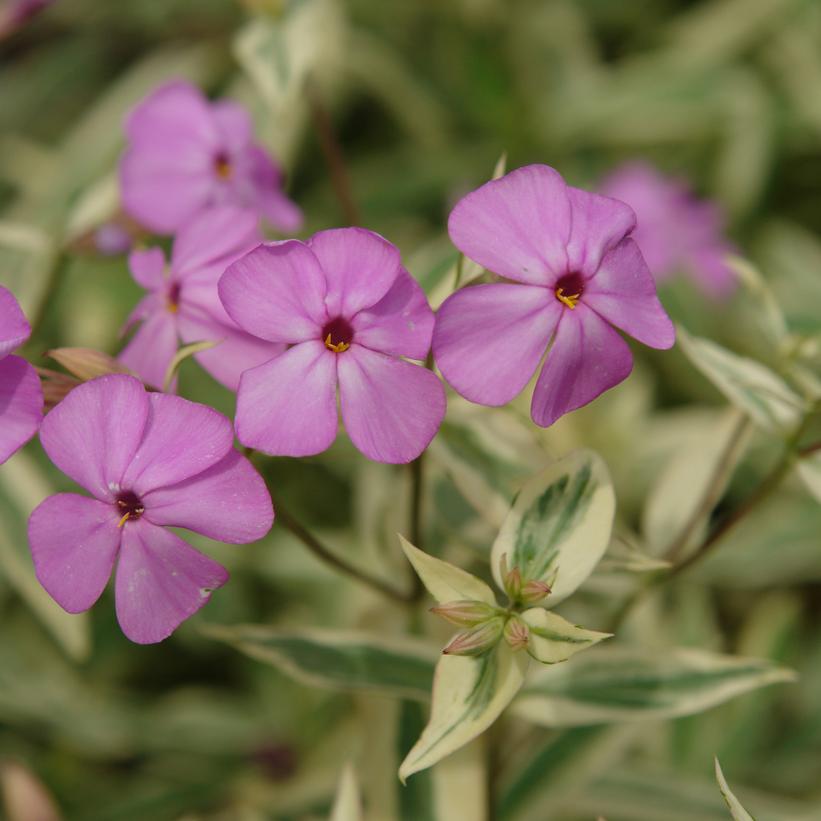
(708, 267)
(74, 542)
(228, 502)
(391, 408)
(148, 267)
(281, 212)
(21, 404)
(93, 434)
(217, 234)
(587, 358)
(287, 407)
(181, 439)
(237, 351)
(234, 124)
(161, 581)
(599, 224)
(401, 323)
(150, 351)
(14, 329)
(624, 293)
(276, 292)
(359, 266)
(517, 226)
(489, 339)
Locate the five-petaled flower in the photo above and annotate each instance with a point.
(350, 311)
(186, 154)
(21, 398)
(676, 232)
(577, 272)
(183, 303)
(151, 461)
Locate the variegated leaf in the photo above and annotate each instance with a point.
(749, 385)
(348, 802)
(624, 684)
(553, 639)
(736, 810)
(444, 581)
(469, 693)
(559, 525)
(809, 469)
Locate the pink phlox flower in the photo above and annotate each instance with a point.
(183, 304)
(151, 461)
(676, 231)
(576, 272)
(186, 154)
(350, 313)
(21, 397)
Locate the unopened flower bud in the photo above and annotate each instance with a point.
(86, 363)
(465, 613)
(516, 633)
(477, 640)
(534, 592)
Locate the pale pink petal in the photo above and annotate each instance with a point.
(517, 226)
(598, 225)
(74, 542)
(391, 408)
(161, 581)
(236, 352)
(401, 323)
(14, 329)
(228, 502)
(150, 351)
(624, 293)
(21, 404)
(287, 407)
(263, 189)
(708, 267)
(233, 123)
(181, 439)
(219, 233)
(284, 214)
(489, 339)
(146, 307)
(148, 267)
(587, 358)
(359, 265)
(276, 292)
(93, 434)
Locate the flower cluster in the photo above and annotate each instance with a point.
(304, 331)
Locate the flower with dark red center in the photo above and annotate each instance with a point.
(576, 272)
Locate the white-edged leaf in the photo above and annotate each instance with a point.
(692, 483)
(736, 810)
(469, 693)
(809, 469)
(444, 581)
(625, 555)
(343, 660)
(752, 387)
(554, 639)
(629, 684)
(559, 524)
(770, 317)
(348, 801)
(181, 355)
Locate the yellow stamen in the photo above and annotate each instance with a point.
(338, 348)
(223, 168)
(173, 307)
(570, 300)
(123, 520)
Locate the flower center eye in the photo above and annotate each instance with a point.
(569, 289)
(130, 505)
(222, 166)
(173, 297)
(338, 335)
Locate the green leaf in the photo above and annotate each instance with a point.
(444, 581)
(181, 355)
(809, 469)
(559, 524)
(343, 660)
(628, 684)
(736, 810)
(769, 317)
(468, 696)
(553, 639)
(749, 385)
(348, 802)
